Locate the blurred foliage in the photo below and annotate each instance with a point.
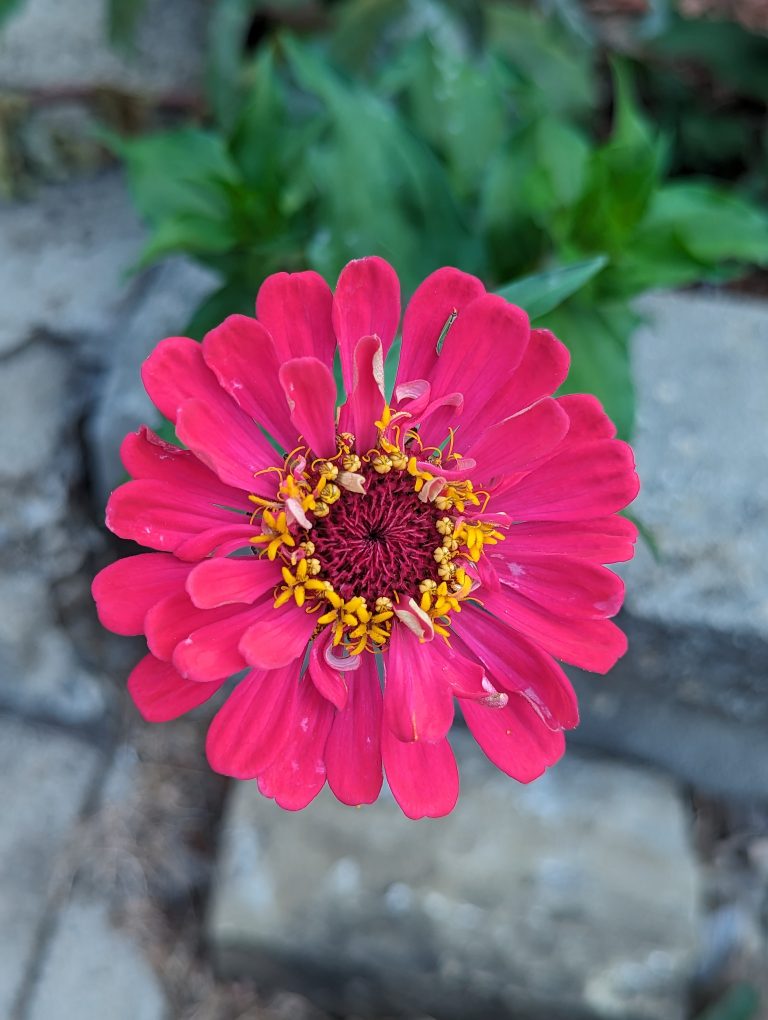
(438, 133)
(706, 82)
(742, 1002)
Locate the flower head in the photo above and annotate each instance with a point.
(447, 543)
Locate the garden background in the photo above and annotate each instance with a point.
(603, 163)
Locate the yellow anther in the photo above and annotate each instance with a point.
(427, 585)
(443, 503)
(450, 543)
(345, 440)
(441, 555)
(275, 534)
(321, 509)
(314, 566)
(381, 463)
(351, 462)
(399, 459)
(383, 605)
(308, 547)
(445, 526)
(330, 493)
(327, 469)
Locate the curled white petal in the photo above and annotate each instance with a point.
(416, 620)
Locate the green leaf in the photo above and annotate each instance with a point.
(543, 292)
(598, 337)
(558, 70)
(123, 17)
(226, 66)
(7, 8)
(180, 173)
(621, 178)
(377, 189)
(742, 1002)
(712, 223)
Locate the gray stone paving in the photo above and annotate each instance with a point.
(53, 46)
(47, 777)
(519, 901)
(691, 694)
(91, 971)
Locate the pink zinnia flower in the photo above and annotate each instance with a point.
(395, 557)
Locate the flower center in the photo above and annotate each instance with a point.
(380, 542)
(363, 538)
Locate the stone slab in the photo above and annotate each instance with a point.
(46, 778)
(170, 294)
(575, 897)
(63, 261)
(61, 48)
(691, 693)
(701, 371)
(92, 971)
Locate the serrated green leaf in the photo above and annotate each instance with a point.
(543, 292)
(621, 177)
(180, 173)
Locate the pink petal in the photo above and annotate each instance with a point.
(482, 349)
(174, 618)
(221, 581)
(296, 310)
(332, 683)
(254, 724)
(353, 749)
(175, 372)
(310, 390)
(514, 738)
(518, 666)
(595, 645)
(443, 293)
(242, 356)
(366, 302)
(587, 417)
(600, 540)
(542, 369)
(297, 774)
(212, 650)
(147, 456)
(280, 638)
(423, 777)
(418, 704)
(516, 443)
(586, 480)
(126, 590)
(229, 443)
(366, 399)
(160, 694)
(563, 585)
(161, 516)
(221, 540)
